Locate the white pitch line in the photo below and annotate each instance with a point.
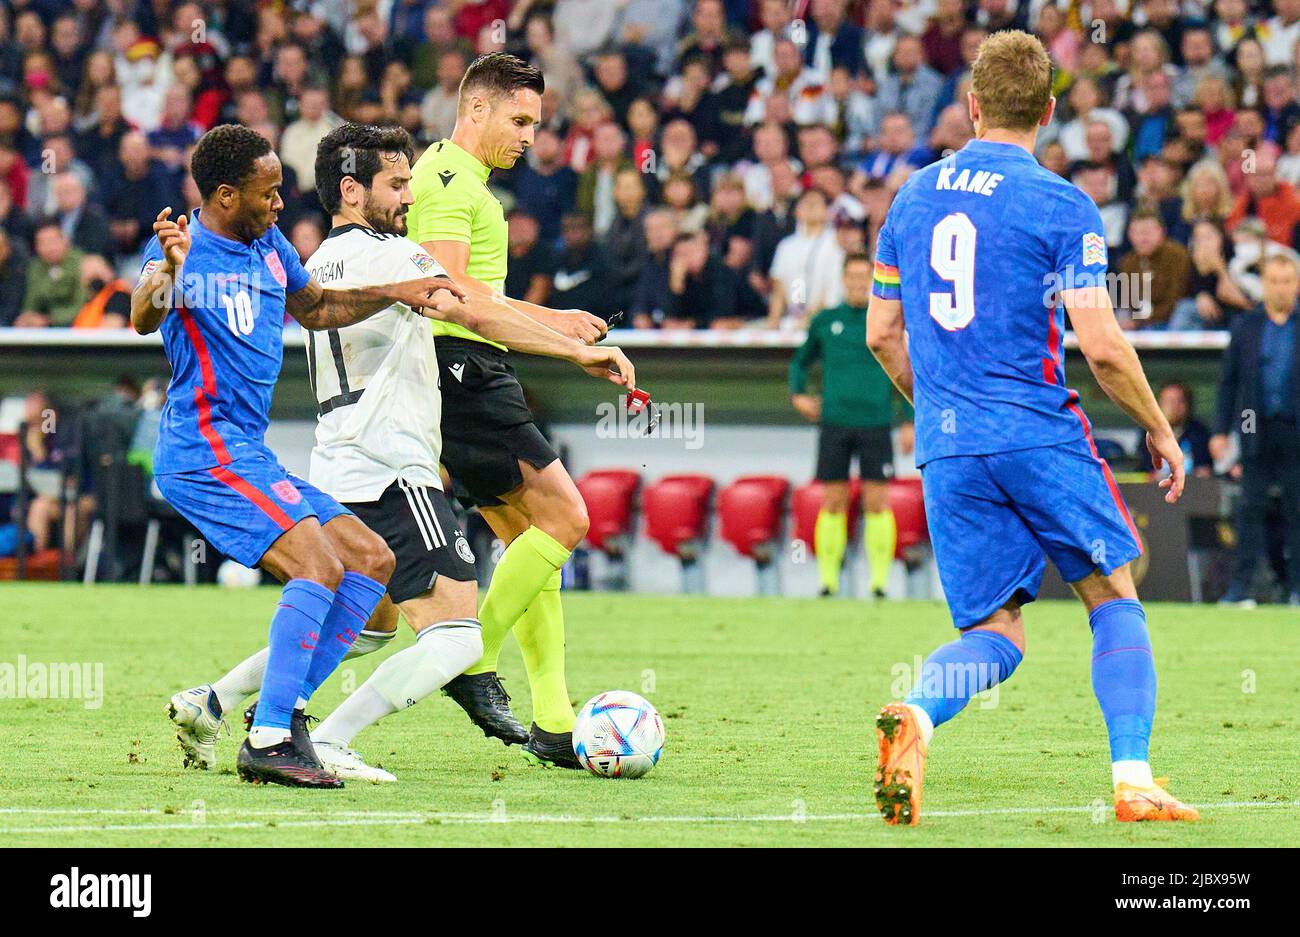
(363, 818)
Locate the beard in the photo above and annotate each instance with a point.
(386, 222)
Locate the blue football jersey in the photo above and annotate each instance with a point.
(977, 247)
(224, 337)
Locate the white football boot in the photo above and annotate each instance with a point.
(346, 764)
(197, 725)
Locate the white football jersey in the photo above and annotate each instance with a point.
(376, 382)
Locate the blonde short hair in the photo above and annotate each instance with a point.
(1012, 80)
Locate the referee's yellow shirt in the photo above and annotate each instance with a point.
(453, 203)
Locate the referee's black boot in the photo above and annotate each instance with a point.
(551, 749)
(487, 704)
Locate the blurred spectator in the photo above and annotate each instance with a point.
(625, 238)
(438, 107)
(806, 269)
(1212, 296)
(913, 88)
(596, 184)
(529, 275)
(544, 186)
(108, 296)
(897, 149)
(13, 277)
(1176, 403)
(176, 132)
(133, 195)
(298, 143)
(55, 293)
(1156, 272)
(583, 278)
(1259, 398)
(702, 290)
(583, 26)
(803, 87)
(650, 295)
(833, 41)
(83, 222)
(1270, 199)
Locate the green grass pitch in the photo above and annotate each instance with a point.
(767, 706)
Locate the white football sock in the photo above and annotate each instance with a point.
(1136, 773)
(923, 723)
(440, 653)
(265, 736)
(244, 680)
(368, 642)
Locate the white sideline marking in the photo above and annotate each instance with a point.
(355, 818)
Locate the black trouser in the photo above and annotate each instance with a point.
(1275, 462)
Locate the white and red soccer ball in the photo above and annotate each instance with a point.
(618, 735)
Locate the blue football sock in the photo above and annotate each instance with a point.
(1124, 676)
(295, 633)
(354, 601)
(975, 662)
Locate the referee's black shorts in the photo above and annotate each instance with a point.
(419, 527)
(837, 446)
(487, 427)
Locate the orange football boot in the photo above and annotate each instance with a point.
(902, 765)
(1134, 803)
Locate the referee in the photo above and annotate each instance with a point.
(491, 445)
(853, 412)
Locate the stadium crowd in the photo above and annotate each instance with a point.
(701, 163)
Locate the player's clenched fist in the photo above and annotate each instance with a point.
(173, 237)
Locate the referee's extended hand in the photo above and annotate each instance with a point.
(608, 362)
(575, 323)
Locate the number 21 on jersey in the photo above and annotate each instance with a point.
(952, 255)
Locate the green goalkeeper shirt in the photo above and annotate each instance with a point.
(856, 392)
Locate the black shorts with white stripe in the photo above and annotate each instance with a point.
(419, 527)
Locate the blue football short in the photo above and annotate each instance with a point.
(995, 519)
(243, 507)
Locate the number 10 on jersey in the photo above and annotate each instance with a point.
(952, 255)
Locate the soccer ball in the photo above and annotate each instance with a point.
(618, 735)
(231, 575)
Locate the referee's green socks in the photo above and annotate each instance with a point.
(525, 595)
(830, 540)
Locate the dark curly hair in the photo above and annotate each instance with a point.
(354, 150)
(225, 156)
(501, 74)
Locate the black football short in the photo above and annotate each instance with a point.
(838, 446)
(487, 427)
(419, 527)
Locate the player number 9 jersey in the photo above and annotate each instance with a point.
(977, 247)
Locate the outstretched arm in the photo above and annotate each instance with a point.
(496, 319)
(453, 256)
(317, 308)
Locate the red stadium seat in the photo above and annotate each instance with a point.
(806, 503)
(609, 494)
(749, 510)
(676, 511)
(9, 448)
(908, 504)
